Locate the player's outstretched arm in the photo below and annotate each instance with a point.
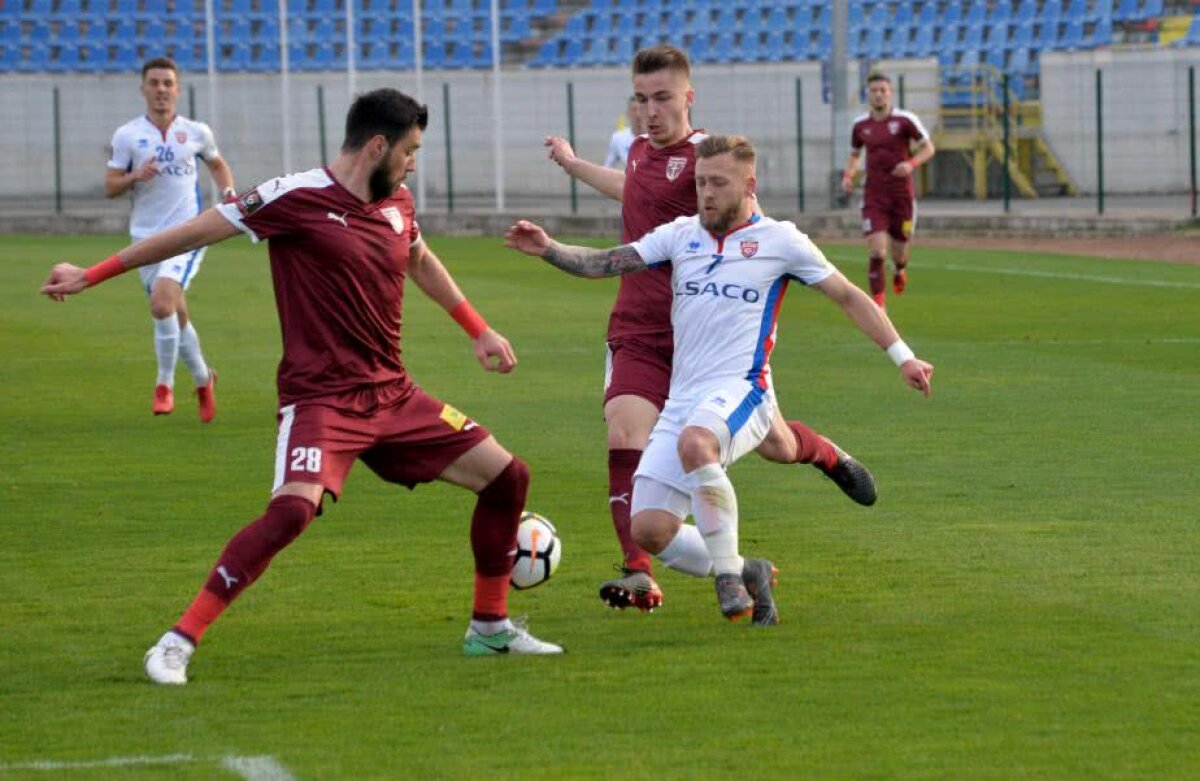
(573, 259)
(606, 181)
(492, 350)
(200, 231)
(874, 322)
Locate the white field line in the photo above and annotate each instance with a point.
(1020, 272)
(250, 768)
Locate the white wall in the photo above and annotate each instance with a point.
(1145, 117)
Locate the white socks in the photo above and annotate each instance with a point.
(491, 627)
(189, 351)
(714, 506)
(686, 552)
(166, 347)
(172, 343)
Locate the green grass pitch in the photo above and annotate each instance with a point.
(1023, 602)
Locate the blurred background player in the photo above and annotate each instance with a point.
(889, 206)
(342, 240)
(657, 186)
(154, 156)
(622, 137)
(721, 403)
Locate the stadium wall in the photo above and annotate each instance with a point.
(1145, 126)
(1144, 114)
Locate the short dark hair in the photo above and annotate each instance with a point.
(877, 76)
(662, 57)
(383, 112)
(738, 146)
(166, 63)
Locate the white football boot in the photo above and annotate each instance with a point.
(516, 640)
(167, 661)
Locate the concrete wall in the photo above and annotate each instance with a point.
(1144, 114)
(759, 100)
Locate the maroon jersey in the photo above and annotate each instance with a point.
(660, 185)
(338, 265)
(888, 143)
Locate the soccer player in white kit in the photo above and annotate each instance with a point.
(155, 156)
(730, 269)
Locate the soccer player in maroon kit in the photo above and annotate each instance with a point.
(342, 240)
(889, 207)
(657, 186)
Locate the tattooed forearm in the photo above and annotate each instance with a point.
(588, 262)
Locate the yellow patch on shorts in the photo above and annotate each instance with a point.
(906, 227)
(455, 419)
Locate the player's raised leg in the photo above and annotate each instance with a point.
(792, 442)
(501, 482)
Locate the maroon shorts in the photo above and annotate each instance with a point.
(409, 440)
(896, 214)
(638, 367)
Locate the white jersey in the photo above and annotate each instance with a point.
(727, 294)
(173, 196)
(618, 148)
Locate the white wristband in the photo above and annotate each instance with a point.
(900, 353)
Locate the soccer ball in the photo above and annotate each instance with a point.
(538, 551)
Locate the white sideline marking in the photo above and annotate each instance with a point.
(257, 768)
(250, 768)
(1020, 272)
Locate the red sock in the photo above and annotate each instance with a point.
(811, 447)
(494, 538)
(875, 275)
(621, 466)
(244, 559)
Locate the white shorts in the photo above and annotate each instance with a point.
(738, 413)
(181, 268)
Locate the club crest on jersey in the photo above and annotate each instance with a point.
(675, 166)
(749, 248)
(181, 136)
(394, 217)
(893, 127)
(250, 203)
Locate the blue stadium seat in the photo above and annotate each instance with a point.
(458, 56)
(997, 35)
(774, 47)
(1102, 9)
(923, 42)
(1001, 11)
(1018, 63)
(1077, 10)
(1072, 37)
(1152, 9)
(10, 57)
(545, 7)
(547, 56)
(1193, 35)
(1126, 11)
(700, 50)
(1102, 34)
(1047, 35)
(977, 13)
(1051, 10)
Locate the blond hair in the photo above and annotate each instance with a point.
(738, 146)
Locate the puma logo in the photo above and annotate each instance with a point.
(338, 218)
(619, 498)
(229, 579)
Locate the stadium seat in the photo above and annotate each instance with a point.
(1152, 9)
(1126, 11)
(1072, 37)
(1051, 10)
(547, 55)
(1193, 34)
(10, 57)
(1022, 36)
(977, 13)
